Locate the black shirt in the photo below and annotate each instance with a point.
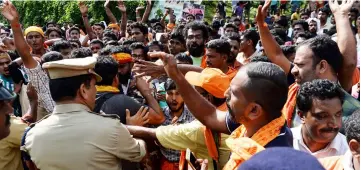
(117, 105)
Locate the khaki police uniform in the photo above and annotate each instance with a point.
(74, 138)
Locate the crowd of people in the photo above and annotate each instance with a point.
(280, 92)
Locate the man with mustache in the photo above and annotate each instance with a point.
(35, 38)
(255, 99)
(351, 159)
(234, 40)
(316, 58)
(247, 49)
(196, 35)
(5, 110)
(319, 104)
(211, 84)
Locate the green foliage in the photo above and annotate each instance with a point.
(40, 12)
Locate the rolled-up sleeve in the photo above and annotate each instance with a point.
(178, 137)
(128, 148)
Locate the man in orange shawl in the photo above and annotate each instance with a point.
(317, 58)
(351, 159)
(255, 99)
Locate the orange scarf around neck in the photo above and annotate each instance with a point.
(243, 147)
(290, 105)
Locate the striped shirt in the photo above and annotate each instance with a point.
(7, 82)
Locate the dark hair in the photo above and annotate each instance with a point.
(157, 23)
(251, 35)
(49, 30)
(355, 10)
(170, 85)
(288, 50)
(110, 34)
(220, 45)
(196, 26)
(119, 49)
(303, 23)
(305, 13)
(107, 68)
(112, 43)
(51, 56)
(230, 25)
(97, 41)
(142, 27)
(137, 45)
(129, 41)
(106, 50)
(316, 89)
(74, 28)
(352, 126)
(66, 88)
(50, 22)
(81, 52)
(306, 35)
(100, 25)
(60, 45)
(13, 55)
(183, 57)
(232, 36)
(325, 10)
(324, 48)
(177, 35)
(191, 16)
(157, 43)
(267, 86)
(74, 41)
(279, 40)
(260, 58)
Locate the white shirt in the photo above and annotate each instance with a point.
(347, 161)
(337, 147)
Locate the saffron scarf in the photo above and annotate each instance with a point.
(243, 147)
(107, 89)
(290, 105)
(212, 141)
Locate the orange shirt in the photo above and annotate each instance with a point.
(356, 76)
(290, 105)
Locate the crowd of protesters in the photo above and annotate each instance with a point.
(277, 92)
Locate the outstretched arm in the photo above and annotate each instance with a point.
(346, 41)
(9, 11)
(147, 11)
(123, 24)
(142, 132)
(109, 13)
(271, 48)
(202, 109)
(84, 14)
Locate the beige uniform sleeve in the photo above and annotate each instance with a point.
(179, 137)
(17, 129)
(128, 148)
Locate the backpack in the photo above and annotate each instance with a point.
(100, 100)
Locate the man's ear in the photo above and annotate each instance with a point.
(354, 147)
(253, 111)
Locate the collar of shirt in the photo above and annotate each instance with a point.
(347, 161)
(335, 144)
(66, 108)
(167, 114)
(243, 60)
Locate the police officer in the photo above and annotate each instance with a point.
(5, 110)
(73, 137)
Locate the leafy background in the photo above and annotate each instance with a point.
(40, 12)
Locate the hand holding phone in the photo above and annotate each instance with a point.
(192, 160)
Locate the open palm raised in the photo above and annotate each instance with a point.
(8, 10)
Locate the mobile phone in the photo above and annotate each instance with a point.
(192, 160)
